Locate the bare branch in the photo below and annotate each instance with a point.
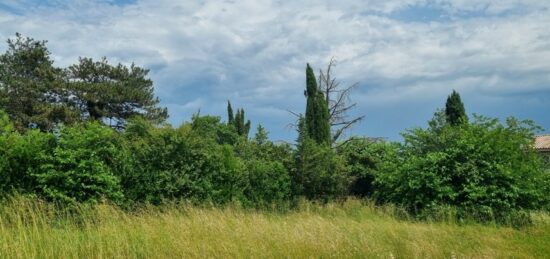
(346, 126)
(295, 114)
(338, 99)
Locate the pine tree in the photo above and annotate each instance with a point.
(261, 135)
(317, 118)
(114, 92)
(30, 86)
(455, 113)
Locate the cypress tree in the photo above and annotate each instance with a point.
(455, 113)
(230, 117)
(238, 121)
(323, 120)
(311, 93)
(246, 128)
(243, 127)
(317, 117)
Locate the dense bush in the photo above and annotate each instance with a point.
(79, 167)
(196, 162)
(166, 163)
(267, 168)
(365, 159)
(19, 156)
(483, 168)
(319, 172)
(268, 183)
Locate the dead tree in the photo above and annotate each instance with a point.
(339, 101)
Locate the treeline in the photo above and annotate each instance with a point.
(95, 131)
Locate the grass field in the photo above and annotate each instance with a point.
(30, 229)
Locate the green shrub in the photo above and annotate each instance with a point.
(365, 158)
(185, 163)
(19, 155)
(483, 168)
(319, 172)
(268, 183)
(78, 168)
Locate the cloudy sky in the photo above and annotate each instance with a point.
(406, 55)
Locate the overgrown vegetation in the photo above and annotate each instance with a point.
(351, 229)
(94, 132)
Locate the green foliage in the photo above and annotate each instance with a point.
(36, 94)
(268, 183)
(238, 122)
(6, 126)
(365, 159)
(230, 116)
(115, 93)
(267, 168)
(454, 110)
(190, 162)
(261, 136)
(30, 87)
(483, 168)
(317, 117)
(78, 169)
(546, 160)
(243, 128)
(210, 127)
(19, 156)
(319, 172)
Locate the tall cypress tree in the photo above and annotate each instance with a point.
(237, 123)
(323, 120)
(455, 113)
(317, 115)
(230, 117)
(311, 93)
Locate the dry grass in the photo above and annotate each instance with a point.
(30, 229)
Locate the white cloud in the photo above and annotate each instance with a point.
(254, 51)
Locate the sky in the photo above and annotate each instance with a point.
(407, 56)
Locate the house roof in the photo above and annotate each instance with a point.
(542, 143)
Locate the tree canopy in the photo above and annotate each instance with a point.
(112, 94)
(31, 88)
(36, 94)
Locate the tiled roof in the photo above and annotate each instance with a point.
(542, 142)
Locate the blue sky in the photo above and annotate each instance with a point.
(406, 55)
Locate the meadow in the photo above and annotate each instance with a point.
(350, 229)
(83, 148)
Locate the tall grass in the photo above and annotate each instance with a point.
(352, 229)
